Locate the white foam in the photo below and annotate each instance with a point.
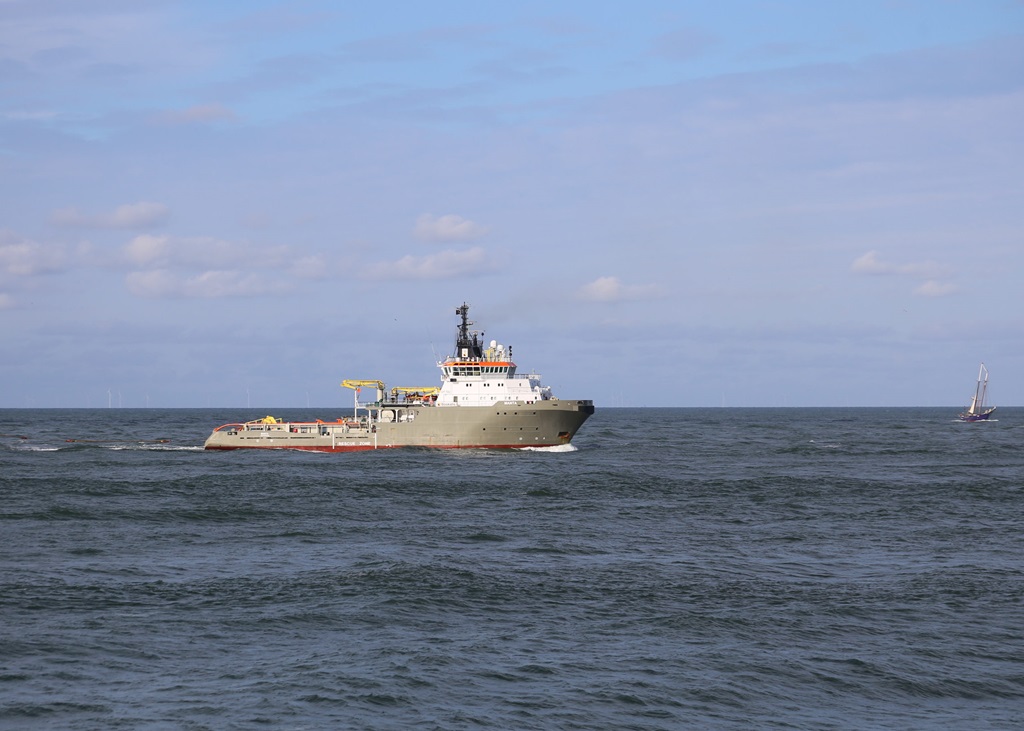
(153, 448)
(555, 448)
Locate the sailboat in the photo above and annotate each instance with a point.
(977, 411)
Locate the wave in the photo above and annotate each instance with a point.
(74, 445)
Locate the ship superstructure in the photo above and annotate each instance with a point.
(477, 376)
(482, 402)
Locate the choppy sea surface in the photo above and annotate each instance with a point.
(674, 569)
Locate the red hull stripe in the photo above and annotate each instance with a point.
(396, 446)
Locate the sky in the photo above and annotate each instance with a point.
(755, 203)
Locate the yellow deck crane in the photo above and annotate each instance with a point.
(357, 386)
(416, 393)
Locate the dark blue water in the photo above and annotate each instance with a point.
(720, 569)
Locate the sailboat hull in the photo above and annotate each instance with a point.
(977, 417)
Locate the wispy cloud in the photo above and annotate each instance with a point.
(871, 263)
(684, 44)
(447, 264)
(416, 46)
(204, 252)
(933, 288)
(30, 115)
(165, 284)
(198, 114)
(314, 266)
(447, 228)
(611, 289)
(208, 267)
(24, 258)
(143, 214)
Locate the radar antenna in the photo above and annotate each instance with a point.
(467, 342)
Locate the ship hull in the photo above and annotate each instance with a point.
(500, 426)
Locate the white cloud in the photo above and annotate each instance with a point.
(6, 301)
(164, 284)
(146, 249)
(449, 227)
(143, 214)
(208, 267)
(21, 257)
(933, 288)
(611, 289)
(870, 263)
(443, 265)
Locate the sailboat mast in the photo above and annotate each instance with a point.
(982, 387)
(977, 411)
(978, 402)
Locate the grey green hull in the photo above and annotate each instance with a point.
(500, 426)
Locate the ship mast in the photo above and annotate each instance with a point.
(467, 342)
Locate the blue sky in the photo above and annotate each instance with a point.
(659, 203)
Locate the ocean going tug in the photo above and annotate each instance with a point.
(482, 403)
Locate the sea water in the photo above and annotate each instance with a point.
(672, 569)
